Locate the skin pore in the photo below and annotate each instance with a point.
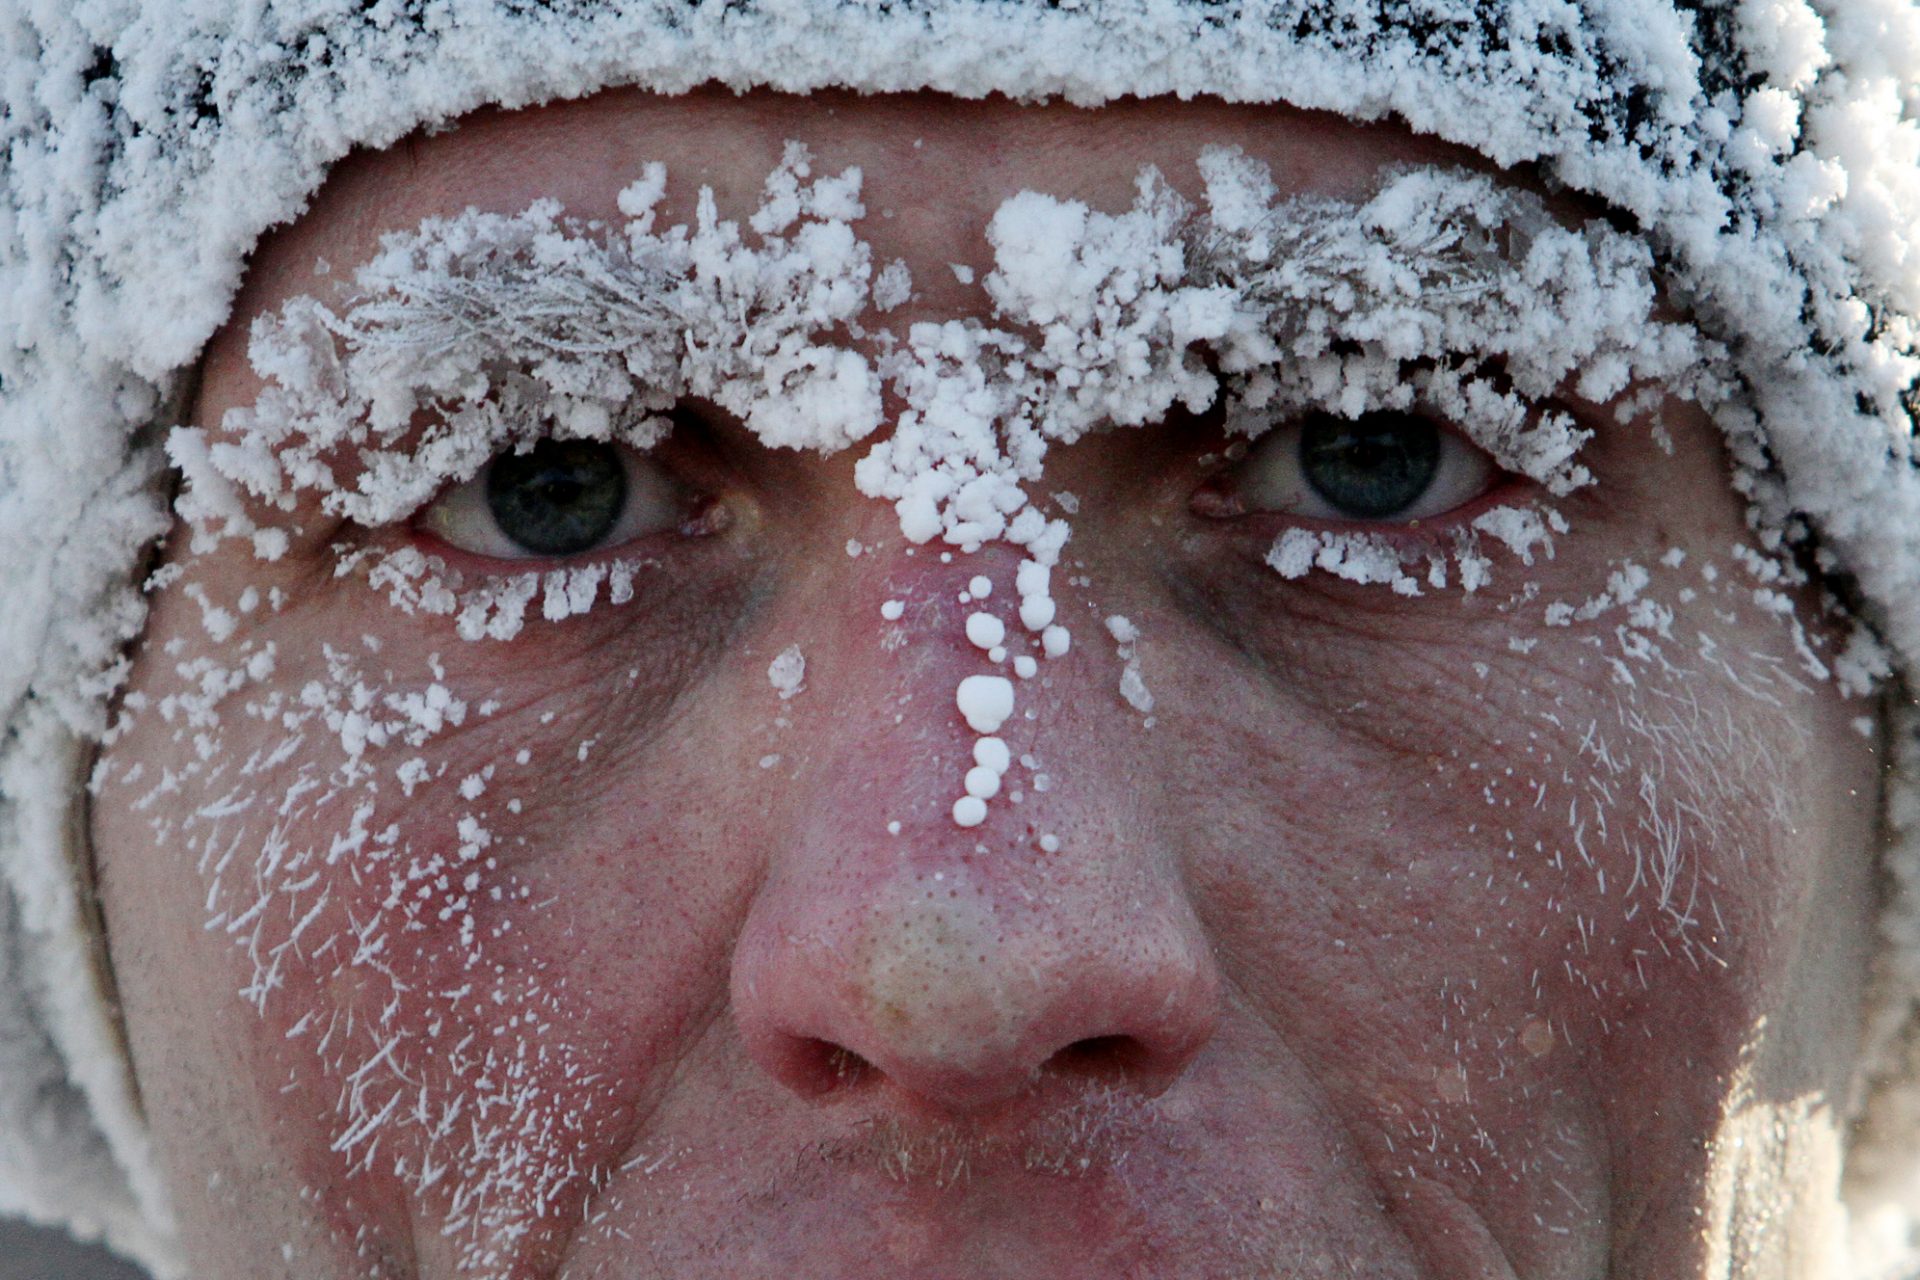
(1413, 936)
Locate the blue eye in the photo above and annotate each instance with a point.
(1374, 468)
(1386, 466)
(558, 498)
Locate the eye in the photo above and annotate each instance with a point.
(558, 498)
(1383, 466)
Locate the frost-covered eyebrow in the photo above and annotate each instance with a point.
(597, 298)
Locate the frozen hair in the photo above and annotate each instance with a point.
(1768, 151)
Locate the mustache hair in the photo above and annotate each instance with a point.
(1090, 1134)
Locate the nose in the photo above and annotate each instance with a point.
(947, 984)
(956, 969)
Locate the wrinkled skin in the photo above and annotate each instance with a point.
(1316, 983)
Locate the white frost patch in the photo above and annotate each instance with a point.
(1360, 557)
(893, 286)
(1133, 685)
(992, 753)
(1375, 558)
(787, 672)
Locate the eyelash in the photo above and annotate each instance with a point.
(492, 591)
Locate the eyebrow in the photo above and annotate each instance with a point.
(602, 296)
(579, 294)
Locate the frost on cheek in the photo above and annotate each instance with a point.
(1622, 810)
(362, 882)
(787, 673)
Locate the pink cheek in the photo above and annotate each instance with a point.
(420, 1028)
(1522, 948)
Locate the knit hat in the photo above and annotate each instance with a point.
(1768, 152)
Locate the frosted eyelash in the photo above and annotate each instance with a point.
(1525, 532)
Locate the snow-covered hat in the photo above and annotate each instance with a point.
(1767, 150)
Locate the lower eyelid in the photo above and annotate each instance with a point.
(1418, 535)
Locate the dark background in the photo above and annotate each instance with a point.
(28, 1253)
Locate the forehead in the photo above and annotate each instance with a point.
(953, 156)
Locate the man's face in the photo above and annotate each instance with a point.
(1312, 928)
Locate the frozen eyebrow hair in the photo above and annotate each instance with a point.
(483, 332)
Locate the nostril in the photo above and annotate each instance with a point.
(929, 993)
(1100, 1057)
(845, 1067)
(826, 1067)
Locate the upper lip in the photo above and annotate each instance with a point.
(1031, 1192)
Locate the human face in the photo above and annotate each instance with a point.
(1512, 933)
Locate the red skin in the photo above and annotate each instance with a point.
(1296, 956)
